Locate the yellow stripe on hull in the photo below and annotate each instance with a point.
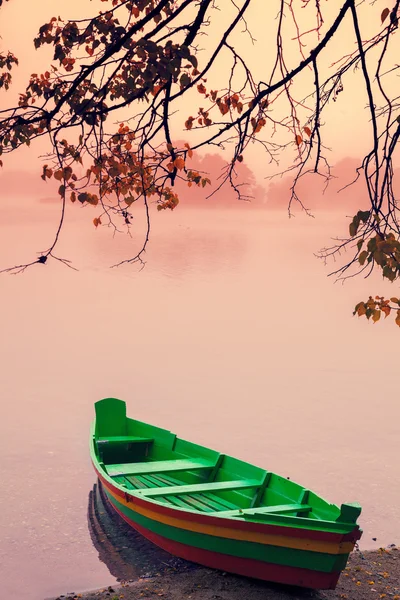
(235, 534)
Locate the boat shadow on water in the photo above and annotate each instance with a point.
(130, 557)
(127, 554)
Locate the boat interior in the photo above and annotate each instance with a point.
(155, 464)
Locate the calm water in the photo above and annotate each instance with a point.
(232, 336)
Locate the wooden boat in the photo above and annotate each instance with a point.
(216, 510)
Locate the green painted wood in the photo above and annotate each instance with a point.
(280, 508)
(158, 466)
(111, 422)
(349, 513)
(201, 487)
(110, 417)
(260, 492)
(307, 559)
(213, 501)
(124, 439)
(217, 467)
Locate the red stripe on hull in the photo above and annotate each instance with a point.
(240, 566)
(325, 536)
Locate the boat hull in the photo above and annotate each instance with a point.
(268, 552)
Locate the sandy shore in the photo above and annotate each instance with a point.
(368, 576)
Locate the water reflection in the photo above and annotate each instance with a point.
(127, 554)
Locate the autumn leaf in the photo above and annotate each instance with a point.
(298, 140)
(83, 197)
(363, 257)
(307, 130)
(384, 14)
(189, 123)
(201, 89)
(179, 163)
(184, 80)
(376, 315)
(386, 310)
(190, 151)
(361, 309)
(96, 221)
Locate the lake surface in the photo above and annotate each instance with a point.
(232, 336)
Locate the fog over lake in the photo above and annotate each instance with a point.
(232, 336)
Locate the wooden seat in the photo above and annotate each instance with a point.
(124, 439)
(159, 466)
(265, 510)
(192, 488)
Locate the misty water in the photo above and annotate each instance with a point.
(232, 336)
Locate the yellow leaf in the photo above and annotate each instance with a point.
(384, 14)
(361, 309)
(376, 315)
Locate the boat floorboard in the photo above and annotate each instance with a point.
(200, 501)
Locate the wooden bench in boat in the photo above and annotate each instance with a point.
(158, 466)
(123, 439)
(192, 488)
(264, 510)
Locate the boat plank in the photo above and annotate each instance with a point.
(192, 488)
(158, 466)
(265, 510)
(124, 439)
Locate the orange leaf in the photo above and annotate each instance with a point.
(96, 221)
(201, 89)
(386, 311)
(398, 318)
(384, 14)
(179, 163)
(298, 140)
(190, 151)
(307, 130)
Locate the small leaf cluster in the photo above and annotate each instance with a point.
(384, 251)
(373, 308)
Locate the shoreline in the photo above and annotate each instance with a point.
(369, 575)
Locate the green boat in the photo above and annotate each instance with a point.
(216, 510)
